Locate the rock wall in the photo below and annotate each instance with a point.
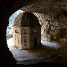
(43, 20)
(52, 28)
(48, 12)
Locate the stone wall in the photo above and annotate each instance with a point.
(52, 29)
(52, 7)
(63, 28)
(43, 20)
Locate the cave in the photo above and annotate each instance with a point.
(52, 14)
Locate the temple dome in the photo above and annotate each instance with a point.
(27, 19)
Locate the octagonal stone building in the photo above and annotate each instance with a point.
(27, 31)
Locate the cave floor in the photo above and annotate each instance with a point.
(45, 53)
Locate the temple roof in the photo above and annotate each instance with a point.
(27, 19)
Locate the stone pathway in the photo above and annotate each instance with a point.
(34, 55)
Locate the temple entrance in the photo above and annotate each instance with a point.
(35, 42)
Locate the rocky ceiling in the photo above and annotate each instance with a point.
(51, 7)
(53, 10)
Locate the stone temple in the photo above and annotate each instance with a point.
(27, 31)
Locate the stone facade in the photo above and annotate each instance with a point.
(25, 35)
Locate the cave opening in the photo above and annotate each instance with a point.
(45, 38)
(61, 37)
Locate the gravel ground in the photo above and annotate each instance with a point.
(35, 55)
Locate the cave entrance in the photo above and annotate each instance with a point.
(20, 54)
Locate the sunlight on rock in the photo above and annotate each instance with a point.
(54, 45)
